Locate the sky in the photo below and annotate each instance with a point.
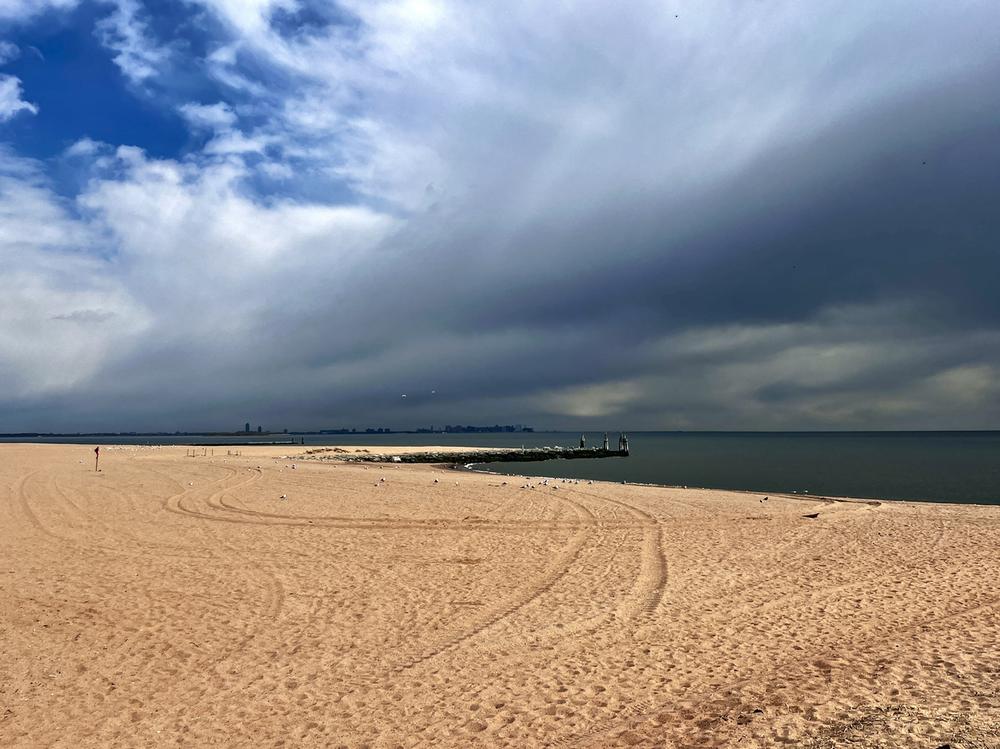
(762, 215)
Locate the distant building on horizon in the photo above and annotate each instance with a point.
(247, 428)
(259, 429)
(460, 429)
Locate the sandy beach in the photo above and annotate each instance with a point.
(181, 601)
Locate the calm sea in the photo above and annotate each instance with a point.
(930, 466)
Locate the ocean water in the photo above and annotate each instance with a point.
(928, 466)
(959, 467)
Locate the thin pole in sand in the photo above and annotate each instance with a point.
(97, 458)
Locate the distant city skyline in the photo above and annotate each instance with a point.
(775, 215)
(362, 430)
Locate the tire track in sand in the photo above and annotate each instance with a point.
(559, 567)
(641, 711)
(651, 582)
(273, 591)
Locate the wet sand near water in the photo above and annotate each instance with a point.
(180, 601)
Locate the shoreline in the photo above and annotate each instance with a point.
(928, 467)
(388, 450)
(472, 467)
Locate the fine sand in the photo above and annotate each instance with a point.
(179, 601)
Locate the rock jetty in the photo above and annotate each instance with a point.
(500, 455)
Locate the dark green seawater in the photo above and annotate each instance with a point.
(929, 466)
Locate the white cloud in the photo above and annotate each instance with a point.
(65, 314)
(11, 102)
(218, 116)
(63, 322)
(22, 10)
(222, 64)
(124, 32)
(250, 18)
(180, 237)
(85, 147)
(236, 143)
(276, 170)
(8, 52)
(167, 217)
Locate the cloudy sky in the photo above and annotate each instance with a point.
(762, 214)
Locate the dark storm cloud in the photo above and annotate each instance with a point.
(777, 218)
(898, 201)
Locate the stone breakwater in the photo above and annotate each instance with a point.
(504, 455)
